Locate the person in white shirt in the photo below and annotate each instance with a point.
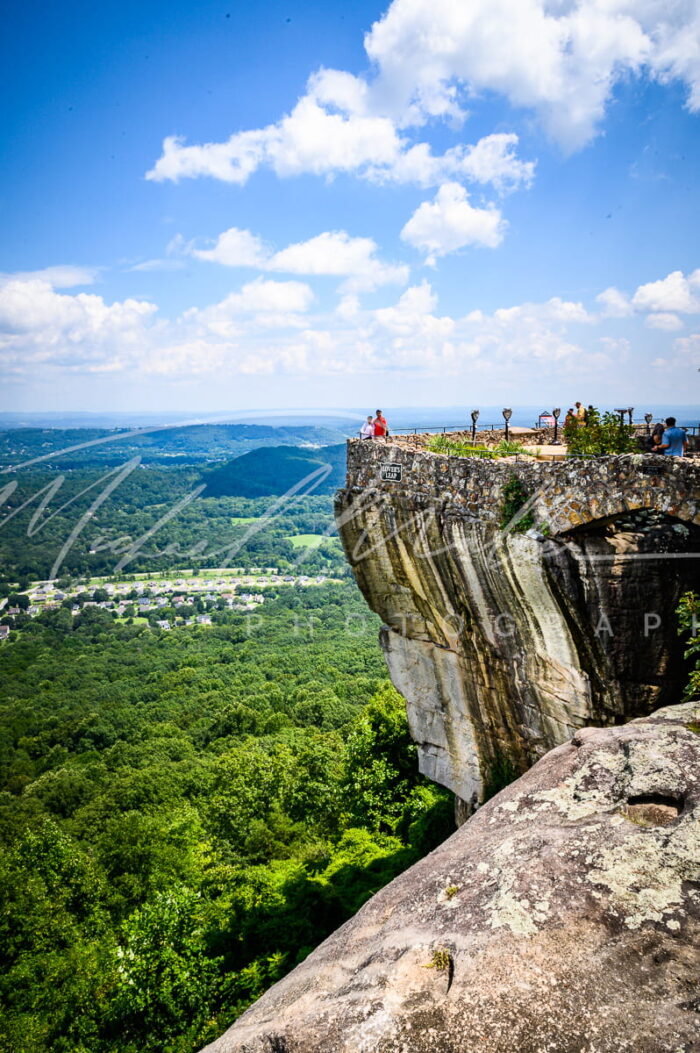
(367, 429)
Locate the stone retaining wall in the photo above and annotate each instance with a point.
(565, 494)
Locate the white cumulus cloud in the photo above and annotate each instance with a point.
(673, 293)
(313, 140)
(336, 253)
(661, 301)
(615, 304)
(274, 305)
(530, 332)
(493, 160)
(561, 60)
(689, 346)
(450, 222)
(554, 310)
(38, 324)
(333, 253)
(309, 139)
(410, 335)
(235, 248)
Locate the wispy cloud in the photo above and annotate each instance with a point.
(61, 276)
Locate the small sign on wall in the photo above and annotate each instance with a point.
(390, 472)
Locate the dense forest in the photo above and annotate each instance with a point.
(277, 469)
(184, 815)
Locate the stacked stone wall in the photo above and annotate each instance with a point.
(566, 494)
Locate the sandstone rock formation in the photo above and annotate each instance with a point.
(504, 643)
(564, 916)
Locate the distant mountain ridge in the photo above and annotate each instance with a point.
(190, 444)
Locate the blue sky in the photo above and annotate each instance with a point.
(222, 206)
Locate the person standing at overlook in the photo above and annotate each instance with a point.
(656, 437)
(381, 428)
(367, 429)
(674, 441)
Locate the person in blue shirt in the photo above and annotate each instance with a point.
(674, 440)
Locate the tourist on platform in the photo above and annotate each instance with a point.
(570, 424)
(656, 437)
(580, 413)
(367, 429)
(381, 428)
(674, 441)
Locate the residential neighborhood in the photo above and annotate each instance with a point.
(195, 593)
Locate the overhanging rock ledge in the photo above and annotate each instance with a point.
(504, 643)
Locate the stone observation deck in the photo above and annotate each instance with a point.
(522, 599)
(565, 495)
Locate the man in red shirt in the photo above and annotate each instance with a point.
(381, 428)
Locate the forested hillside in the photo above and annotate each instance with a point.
(277, 469)
(154, 520)
(185, 815)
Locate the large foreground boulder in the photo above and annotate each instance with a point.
(563, 916)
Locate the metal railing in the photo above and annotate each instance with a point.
(444, 429)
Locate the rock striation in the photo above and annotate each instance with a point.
(564, 916)
(505, 641)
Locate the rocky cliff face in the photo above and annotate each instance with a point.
(564, 916)
(505, 642)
